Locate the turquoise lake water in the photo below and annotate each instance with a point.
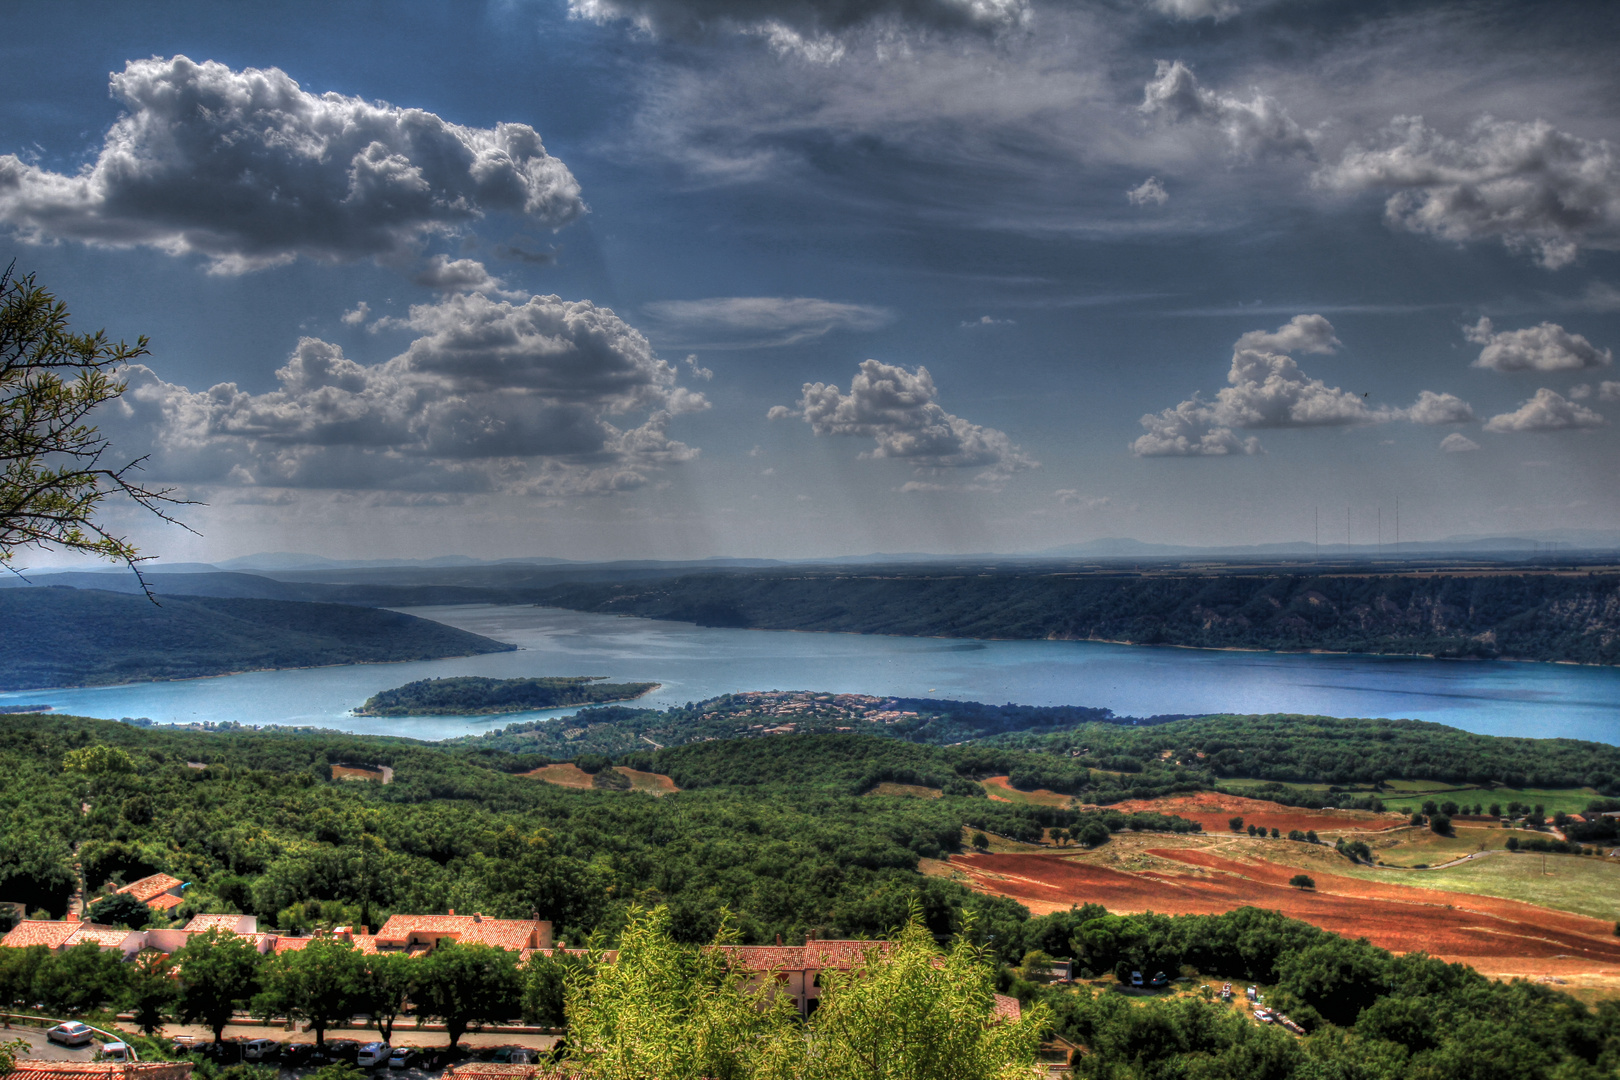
(1539, 700)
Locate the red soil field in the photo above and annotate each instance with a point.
(1495, 936)
(1213, 810)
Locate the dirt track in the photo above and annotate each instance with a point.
(1496, 936)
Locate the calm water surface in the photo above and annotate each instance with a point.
(692, 663)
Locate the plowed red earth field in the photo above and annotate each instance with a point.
(1495, 936)
(1213, 811)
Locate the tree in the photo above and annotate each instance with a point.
(545, 983)
(1235, 824)
(151, 991)
(981, 842)
(915, 1012)
(319, 983)
(387, 983)
(1302, 881)
(81, 979)
(120, 909)
(677, 1012)
(468, 985)
(52, 476)
(1441, 824)
(219, 973)
(8, 1054)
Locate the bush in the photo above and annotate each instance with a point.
(1440, 823)
(1236, 824)
(1302, 881)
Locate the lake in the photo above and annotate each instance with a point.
(693, 663)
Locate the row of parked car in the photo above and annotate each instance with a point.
(367, 1055)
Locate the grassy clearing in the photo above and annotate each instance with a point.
(1583, 884)
(1569, 800)
(650, 782)
(906, 791)
(999, 788)
(565, 774)
(1237, 783)
(1412, 846)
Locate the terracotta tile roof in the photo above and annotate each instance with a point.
(1007, 1008)
(200, 923)
(293, 943)
(39, 932)
(504, 933)
(148, 888)
(105, 936)
(290, 944)
(488, 1070)
(366, 943)
(164, 902)
(811, 956)
(28, 1069)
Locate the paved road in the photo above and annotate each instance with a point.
(42, 1049)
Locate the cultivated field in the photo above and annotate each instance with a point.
(1214, 811)
(1393, 908)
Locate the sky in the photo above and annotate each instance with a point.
(605, 279)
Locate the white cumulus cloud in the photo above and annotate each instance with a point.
(249, 170)
(806, 20)
(898, 409)
(1547, 411)
(1257, 128)
(1547, 347)
(1458, 443)
(1148, 191)
(1267, 389)
(1528, 184)
(490, 396)
(742, 322)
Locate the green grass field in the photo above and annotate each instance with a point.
(1411, 846)
(1569, 800)
(1582, 884)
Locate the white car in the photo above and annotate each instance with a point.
(373, 1054)
(71, 1033)
(260, 1049)
(115, 1051)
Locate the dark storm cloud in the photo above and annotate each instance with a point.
(249, 170)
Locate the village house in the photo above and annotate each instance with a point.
(160, 892)
(58, 935)
(418, 934)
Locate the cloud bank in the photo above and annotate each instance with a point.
(800, 17)
(1267, 389)
(248, 170)
(1528, 184)
(492, 396)
(898, 410)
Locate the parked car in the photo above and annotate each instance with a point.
(114, 1051)
(1161, 979)
(1262, 1015)
(1136, 978)
(514, 1055)
(185, 1044)
(261, 1050)
(342, 1050)
(296, 1055)
(71, 1033)
(373, 1054)
(403, 1057)
(225, 1052)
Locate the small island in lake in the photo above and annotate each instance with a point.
(472, 695)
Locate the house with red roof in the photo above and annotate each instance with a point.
(419, 934)
(160, 892)
(66, 933)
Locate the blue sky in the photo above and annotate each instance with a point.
(676, 278)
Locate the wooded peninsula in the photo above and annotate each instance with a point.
(471, 695)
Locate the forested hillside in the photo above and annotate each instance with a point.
(472, 695)
(1569, 617)
(263, 829)
(74, 637)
